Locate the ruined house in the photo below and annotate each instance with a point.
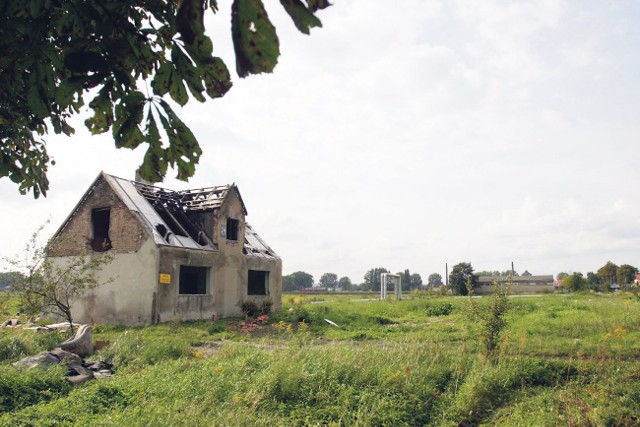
(177, 254)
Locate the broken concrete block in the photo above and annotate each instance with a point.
(67, 357)
(82, 375)
(44, 360)
(11, 322)
(81, 344)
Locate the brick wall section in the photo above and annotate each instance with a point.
(125, 231)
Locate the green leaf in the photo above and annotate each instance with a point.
(37, 105)
(302, 17)
(183, 150)
(254, 38)
(216, 78)
(36, 8)
(129, 113)
(188, 72)
(177, 90)
(162, 80)
(154, 165)
(314, 5)
(189, 20)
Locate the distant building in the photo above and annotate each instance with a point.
(525, 284)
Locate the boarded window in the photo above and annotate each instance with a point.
(193, 280)
(232, 229)
(100, 219)
(258, 282)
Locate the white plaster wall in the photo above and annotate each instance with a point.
(128, 298)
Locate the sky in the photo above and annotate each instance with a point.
(410, 135)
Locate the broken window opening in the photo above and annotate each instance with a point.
(100, 219)
(193, 280)
(258, 283)
(232, 229)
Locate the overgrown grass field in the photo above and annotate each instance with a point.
(560, 360)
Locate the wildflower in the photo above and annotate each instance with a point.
(303, 325)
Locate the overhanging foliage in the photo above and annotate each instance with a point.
(131, 55)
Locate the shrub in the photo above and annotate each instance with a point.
(492, 319)
(249, 308)
(443, 309)
(266, 306)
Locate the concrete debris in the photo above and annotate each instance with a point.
(331, 322)
(71, 353)
(44, 360)
(10, 323)
(81, 344)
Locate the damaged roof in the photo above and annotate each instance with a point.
(166, 213)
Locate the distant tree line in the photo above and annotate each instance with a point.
(609, 276)
(9, 278)
(461, 276)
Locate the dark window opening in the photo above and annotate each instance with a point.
(100, 222)
(258, 282)
(193, 280)
(232, 229)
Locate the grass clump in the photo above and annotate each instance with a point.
(135, 348)
(19, 389)
(12, 347)
(488, 387)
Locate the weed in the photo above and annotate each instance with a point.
(443, 309)
(217, 327)
(491, 319)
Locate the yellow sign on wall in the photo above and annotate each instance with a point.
(165, 279)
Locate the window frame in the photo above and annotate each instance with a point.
(233, 229)
(100, 228)
(202, 273)
(251, 282)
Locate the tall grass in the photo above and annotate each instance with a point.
(560, 360)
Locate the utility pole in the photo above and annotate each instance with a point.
(446, 274)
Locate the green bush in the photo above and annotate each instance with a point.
(249, 308)
(443, 309)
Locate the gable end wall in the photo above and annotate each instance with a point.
(125, 230)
